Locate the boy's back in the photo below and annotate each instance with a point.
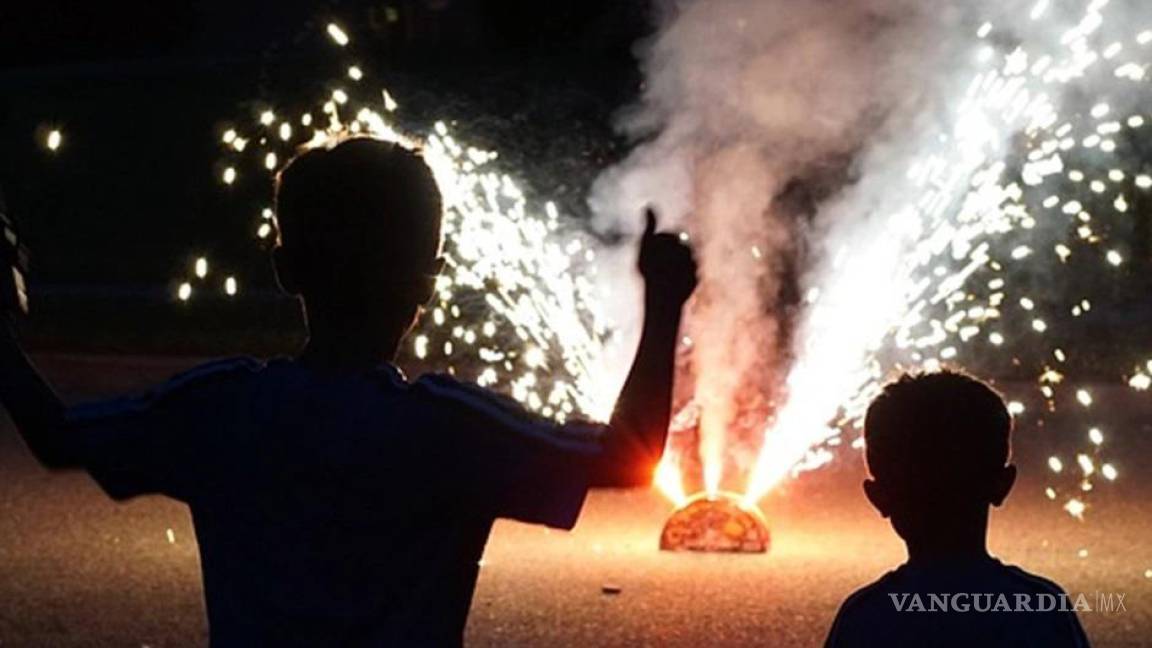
(336, 509)
(977, 602)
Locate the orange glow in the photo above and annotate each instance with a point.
(668, 480)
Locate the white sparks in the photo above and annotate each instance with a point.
(337, 34)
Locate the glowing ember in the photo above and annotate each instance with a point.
(716, 523)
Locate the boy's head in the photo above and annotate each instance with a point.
(359, 227)
(937, 446)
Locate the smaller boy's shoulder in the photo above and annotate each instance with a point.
(1029, 582)
(858, 612)
(870, 595)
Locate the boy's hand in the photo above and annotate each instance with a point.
(13, 267)
(667, 265)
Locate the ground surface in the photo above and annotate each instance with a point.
(79, 570)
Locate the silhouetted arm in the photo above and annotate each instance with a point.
(33, 405)
(639, 424)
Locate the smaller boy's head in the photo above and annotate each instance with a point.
(359, 227)
(937, 446)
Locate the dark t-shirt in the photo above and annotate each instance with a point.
(979, 602)
(335, 509)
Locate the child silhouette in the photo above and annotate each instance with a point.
(937, 446)
(336, 502)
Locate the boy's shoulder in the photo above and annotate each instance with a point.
(216, 369)
(871, 595)
(207, 374)
(1030, 582)
(879, 611)
(482, 407)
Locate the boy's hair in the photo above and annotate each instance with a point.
(362, 196)
(939, 431)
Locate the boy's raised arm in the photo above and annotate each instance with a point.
(31, 402)
(639, 424)
(33, 405)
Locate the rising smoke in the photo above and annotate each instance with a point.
(767, 130)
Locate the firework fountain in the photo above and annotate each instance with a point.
(870, 186)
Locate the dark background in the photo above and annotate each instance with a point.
(141, 91)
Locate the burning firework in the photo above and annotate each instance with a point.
(716, 523)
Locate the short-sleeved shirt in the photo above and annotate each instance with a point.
(978, 602)
(336, 509)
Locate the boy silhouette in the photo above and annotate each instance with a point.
(335, 502)
(937, 447)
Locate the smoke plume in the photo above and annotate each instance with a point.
(764, 131)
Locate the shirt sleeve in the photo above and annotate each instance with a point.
(511, 462)
(159, 441)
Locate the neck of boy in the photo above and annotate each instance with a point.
(963, 540)
(348, 349)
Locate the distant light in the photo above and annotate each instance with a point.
(263, 231)
(355, 73)
(1084, 397)
(229, 175)
(230, 286)
(229, 136)
(1114, 258)
(1055, 464)
(339, 96)
(267, 117)
(201, 267)
(184, 292)
(54, 139)
(1015, 408)
(337, 34)
(1039, 325)
(1086, 464)
(1076, 508)
(285, 131)
(270, 161)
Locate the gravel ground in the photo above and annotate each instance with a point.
(79, 570)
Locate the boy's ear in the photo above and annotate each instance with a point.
(286, 271)
(428, 288)
(878, 496)
(1002, 485)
